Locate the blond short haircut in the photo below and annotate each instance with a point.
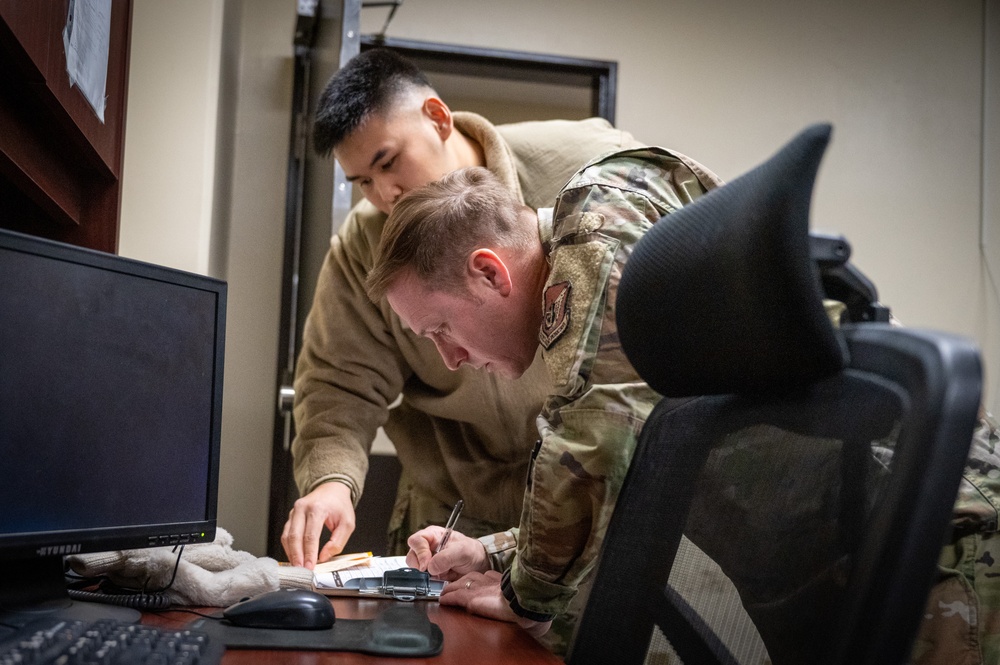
(433, 229)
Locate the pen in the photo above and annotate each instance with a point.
(450, 526)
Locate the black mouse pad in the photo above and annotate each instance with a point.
(396, 631)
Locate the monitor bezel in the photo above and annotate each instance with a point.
(40, 544)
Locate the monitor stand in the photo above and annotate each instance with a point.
(34, 588)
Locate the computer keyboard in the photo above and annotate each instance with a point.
(107, 642)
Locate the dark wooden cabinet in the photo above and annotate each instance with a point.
(60, 166)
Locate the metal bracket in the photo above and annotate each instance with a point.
(406, 584)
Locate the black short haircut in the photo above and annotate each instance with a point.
(368, 83)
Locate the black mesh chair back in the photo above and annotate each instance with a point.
(816, 465)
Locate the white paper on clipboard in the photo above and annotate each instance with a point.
(338, 583)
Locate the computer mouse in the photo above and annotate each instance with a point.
(295, 609)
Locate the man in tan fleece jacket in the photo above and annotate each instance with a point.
(459, 435)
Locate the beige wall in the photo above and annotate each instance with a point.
(170, 133)
(728, 82)
(197, 100)
(911, 177)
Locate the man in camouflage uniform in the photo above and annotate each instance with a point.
(589, 423)
(477, 296)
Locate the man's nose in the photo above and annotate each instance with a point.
(389, 192)
(453, 356)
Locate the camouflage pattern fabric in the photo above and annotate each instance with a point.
(590, 425)
(500, 548)
(962, 622)
(978, 502)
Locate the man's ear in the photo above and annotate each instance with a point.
(488, 270)
(440, 115)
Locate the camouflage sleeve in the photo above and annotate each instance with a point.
(500, 548)
(573, 485)
(590, 426)
(978, 502)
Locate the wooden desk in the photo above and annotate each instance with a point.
(468, 640)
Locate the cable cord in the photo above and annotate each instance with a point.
(139, 599)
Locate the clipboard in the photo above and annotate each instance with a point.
(379, 577)
(401, 584)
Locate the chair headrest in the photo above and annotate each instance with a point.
(722, 296)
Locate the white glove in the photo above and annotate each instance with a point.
(209, 574)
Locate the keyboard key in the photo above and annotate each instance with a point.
(107, 642)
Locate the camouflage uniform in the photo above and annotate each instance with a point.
(962, 622)
(590, 423)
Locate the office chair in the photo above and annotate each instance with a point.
(817, 465)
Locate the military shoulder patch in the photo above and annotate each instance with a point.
(556, 314)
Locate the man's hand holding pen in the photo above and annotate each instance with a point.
(449, 555)
(461, 555)
(432, 549)
(471, 583)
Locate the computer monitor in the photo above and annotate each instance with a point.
(110, 409)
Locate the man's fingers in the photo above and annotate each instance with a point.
(457, 591)
(460, 556)
(466, 585)
(329, 505)
(311, 533)
(338, 539)
(479, 594)
(446, 560)
(421, 544)
(291, 539)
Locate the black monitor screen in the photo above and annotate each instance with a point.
(110, 400)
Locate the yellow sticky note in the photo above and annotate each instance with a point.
(342, 561)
